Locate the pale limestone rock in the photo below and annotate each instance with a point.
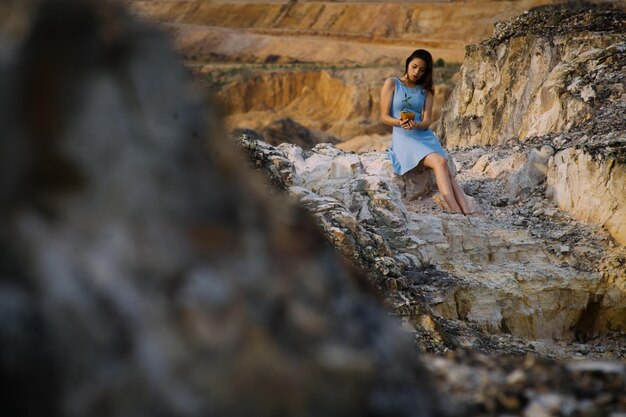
(507, 280)
(550, 110)
(329, 171)
(571, 76)
(492, 104)
(343, 189)
(347, 166)
(591, 189)
(532, 173)
(480, 165)
(588, 93)
(612, 313)
(418, 182)
(376, 164)
(494, 168)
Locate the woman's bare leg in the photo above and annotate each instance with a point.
(459, 195)
(439, 165)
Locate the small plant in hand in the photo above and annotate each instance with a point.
(405, 111)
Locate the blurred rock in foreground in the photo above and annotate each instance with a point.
(144, 271)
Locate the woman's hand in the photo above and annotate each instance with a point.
(408, 124)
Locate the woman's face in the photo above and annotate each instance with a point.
(416, 70)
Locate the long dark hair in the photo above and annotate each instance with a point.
(427, 79)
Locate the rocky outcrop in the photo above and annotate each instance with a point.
(570, 99)
(532, 173)
(545, 71)
(348, 199)
(144, 271)
(526, 170)
(286, 129)
(318, 100)
(591, 188)
(526, 268)
(501, 278)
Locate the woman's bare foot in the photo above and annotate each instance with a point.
(453, 212)
(474, 213)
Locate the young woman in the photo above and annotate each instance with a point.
(412, 141)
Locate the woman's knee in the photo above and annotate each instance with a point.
(434, 160)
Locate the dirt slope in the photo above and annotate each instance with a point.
(443, 27)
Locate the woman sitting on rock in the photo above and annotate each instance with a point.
(406, 104)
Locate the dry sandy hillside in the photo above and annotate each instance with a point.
(340, 102)
(347, 32)
(321, 64)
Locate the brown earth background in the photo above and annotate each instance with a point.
(309, 72)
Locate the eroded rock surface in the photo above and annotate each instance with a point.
(501, 277)
(553, 77)
(584, 246)
(526, 279)
(545, 71)
(145, 271)
(589, 181)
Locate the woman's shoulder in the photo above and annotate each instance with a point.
(391, 80)
(390, 83)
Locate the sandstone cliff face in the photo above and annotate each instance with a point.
(555, 77)
(529, 176)
(341, 103)
(530, 79)
(591, 189)
(315, 98)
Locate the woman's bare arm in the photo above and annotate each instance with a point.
(386, 97)
(426, 116)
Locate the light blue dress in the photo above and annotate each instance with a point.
(409, 147)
